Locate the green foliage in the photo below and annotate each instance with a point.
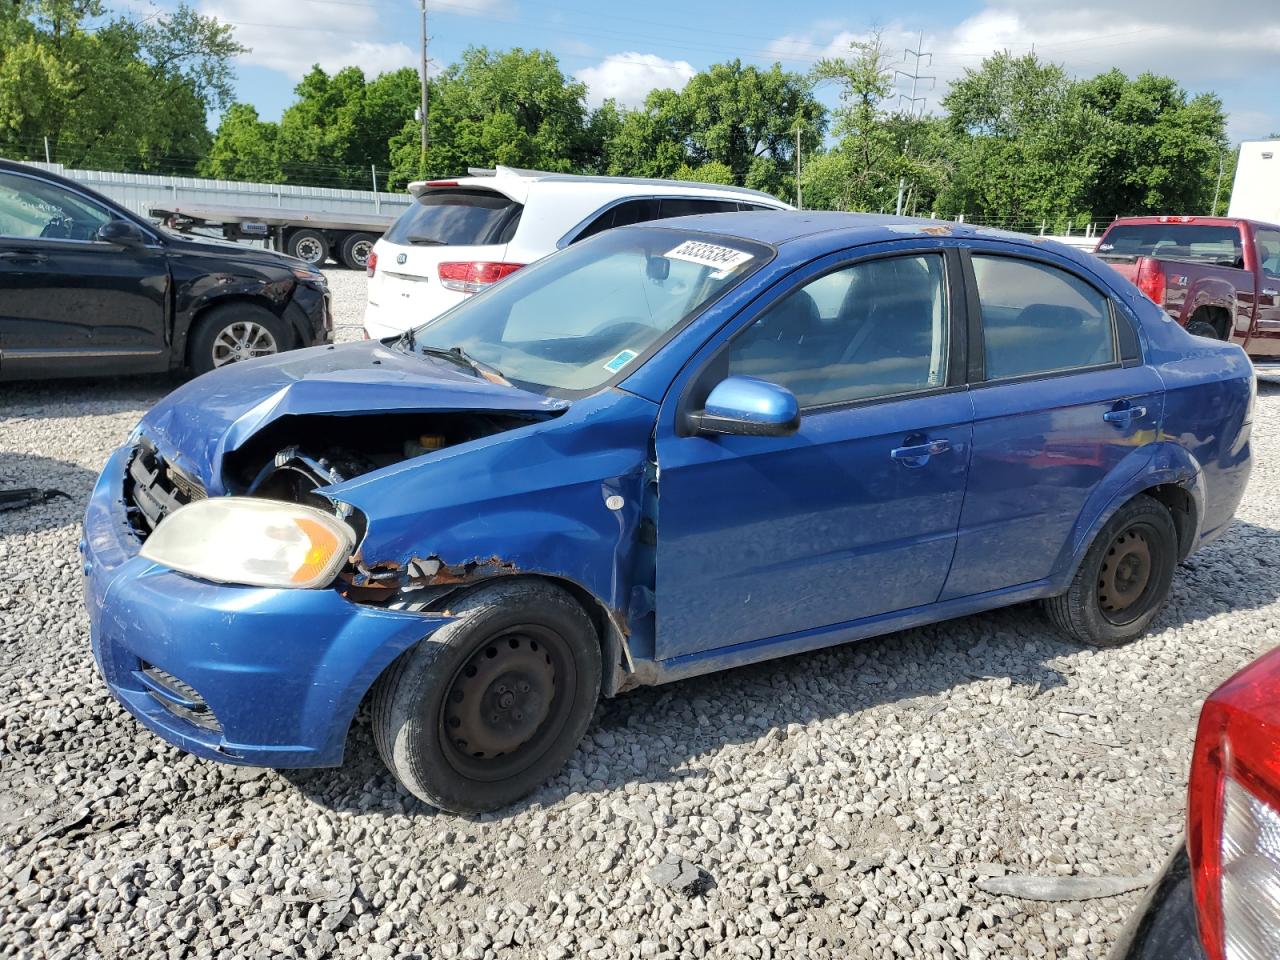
(117, 94)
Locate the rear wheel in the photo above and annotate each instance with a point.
(1124, 578)
(356, 249)
(493, 704)
(310, 246)
(235, 332)
(1202, 328)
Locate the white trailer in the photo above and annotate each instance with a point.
(1256, 194)
(312, 223)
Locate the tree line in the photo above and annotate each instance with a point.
(1015, 141)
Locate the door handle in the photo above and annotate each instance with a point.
(1124, 415)
(917, 455)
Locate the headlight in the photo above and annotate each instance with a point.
(260, 543)
(311, 275)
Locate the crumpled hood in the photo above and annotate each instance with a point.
(199, 423)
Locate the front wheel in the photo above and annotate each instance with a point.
(490, 706)
(233, 332)
(1124, 578)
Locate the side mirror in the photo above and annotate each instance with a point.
(122, 233)
(749, 407)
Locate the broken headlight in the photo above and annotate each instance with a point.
(259, 543)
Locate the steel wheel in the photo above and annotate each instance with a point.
(309, 249)
(360, 251)
(507, 704)
(242, 340)
(1125, 576)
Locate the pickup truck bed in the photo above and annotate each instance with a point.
(1218, 277)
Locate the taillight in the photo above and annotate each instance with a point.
(1150, 279)
(371, 265)
(474, 276)
(1233, 815)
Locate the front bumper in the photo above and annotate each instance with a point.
(311, 314)
(281, 671)
(1163, 927)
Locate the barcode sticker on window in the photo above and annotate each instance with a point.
(724, 260)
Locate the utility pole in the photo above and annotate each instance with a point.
(423, 106)
(799, 127)
(1217, 190)
(922, 58)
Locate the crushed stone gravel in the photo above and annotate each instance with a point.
(848, 803)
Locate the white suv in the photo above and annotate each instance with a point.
(462, 235)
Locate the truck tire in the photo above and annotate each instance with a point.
(356, 249)
(1123, 581)
(1203, 328)
(310, 246)
(233, 332)
(494, 703)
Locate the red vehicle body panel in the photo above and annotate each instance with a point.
(1241, 300)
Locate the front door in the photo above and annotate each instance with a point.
(854, 515)
(1056, 414)
(68, 300)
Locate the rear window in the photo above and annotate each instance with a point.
(1176, 241)
(457, 217)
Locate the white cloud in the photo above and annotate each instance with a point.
(1234, 52)
(291, 37)
(628, 77)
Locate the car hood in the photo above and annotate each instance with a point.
(199, 423)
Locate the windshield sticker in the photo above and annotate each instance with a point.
(724, 260)
(621, 360)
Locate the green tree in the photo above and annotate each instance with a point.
(244, 148)
(1159, 151)
(117, 94)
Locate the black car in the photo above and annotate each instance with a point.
(1218, 897)
(89, 288)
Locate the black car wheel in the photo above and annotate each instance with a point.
(310, 246)
(235, 332)
(356, 249)
(1200, 328)
(1124, 579)
(493, 704)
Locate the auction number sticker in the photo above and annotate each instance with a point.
(723, 260)
(621, 360)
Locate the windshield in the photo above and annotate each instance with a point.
(456, 217)
(577, 318)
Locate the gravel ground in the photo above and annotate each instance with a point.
(849, 803)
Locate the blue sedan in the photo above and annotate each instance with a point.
(667, 450)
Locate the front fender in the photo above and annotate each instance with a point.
(1155, 464)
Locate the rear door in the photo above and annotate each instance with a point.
(69, 302)
(459, 226)
(1265, 339)
(1060, 401)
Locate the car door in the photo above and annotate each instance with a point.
(1060, 402)
(1264, 341)
(68, 300)
(855, 514)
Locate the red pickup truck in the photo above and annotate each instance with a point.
(1218, 277)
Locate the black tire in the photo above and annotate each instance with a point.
(356, 249)
(310, 246)
(217, 331)
(515, 645)
(1202, 328)
(1123, 580)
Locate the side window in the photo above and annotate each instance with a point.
(31, 209)
(1268, 242)
(1039, 319)
(873, 329)
(691, 206)
(621, 215)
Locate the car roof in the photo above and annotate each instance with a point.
(519, 184)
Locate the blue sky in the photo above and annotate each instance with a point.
(624, 50)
